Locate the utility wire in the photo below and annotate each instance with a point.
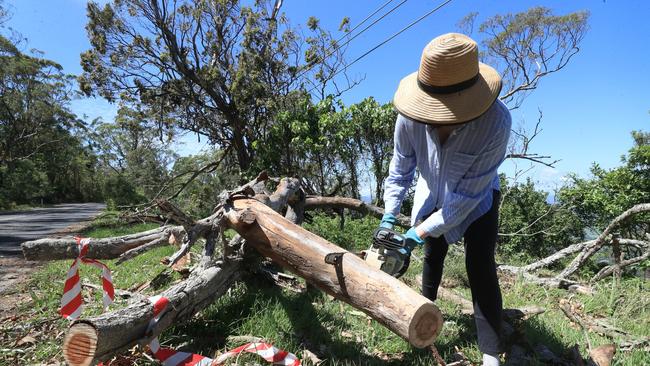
(388, 39)
(330, 53)
(364, 20)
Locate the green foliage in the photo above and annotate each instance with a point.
(218, 68)
(134, 156)
(42, 152)
(355, 235)
(200, 196)
(374, 124)
(530, 227)
(330, 145)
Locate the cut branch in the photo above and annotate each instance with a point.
(98, 338)
(109, 248)
(337, 272)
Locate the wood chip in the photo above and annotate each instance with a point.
(309, 355)
(603, 355)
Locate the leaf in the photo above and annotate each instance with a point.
(26, 340)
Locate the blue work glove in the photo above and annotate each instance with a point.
(412, 240)
(388, 221)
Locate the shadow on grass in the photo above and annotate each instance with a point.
(304, 326)
(294, 321)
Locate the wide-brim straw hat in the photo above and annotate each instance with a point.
(451, 86)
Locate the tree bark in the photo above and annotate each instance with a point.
(383, 297)
(67, 248)
(97, 339)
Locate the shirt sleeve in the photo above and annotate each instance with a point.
(402, 168)
(471, 189)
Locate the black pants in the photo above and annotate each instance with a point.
(480, 241)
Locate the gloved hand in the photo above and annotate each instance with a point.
(388, 221)
(412, 240)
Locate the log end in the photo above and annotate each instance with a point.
(425, 325)
(80, 344)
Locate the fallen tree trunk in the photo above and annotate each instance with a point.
(67, 248)
(98, 338)
(347, 277)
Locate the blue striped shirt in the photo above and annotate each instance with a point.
(457, 177)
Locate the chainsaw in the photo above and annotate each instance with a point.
(388, 252)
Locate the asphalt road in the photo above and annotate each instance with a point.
(19, 226)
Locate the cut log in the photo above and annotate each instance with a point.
(99, 338)
(348, 278)
(67, 248)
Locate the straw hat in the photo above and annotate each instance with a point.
(451, 86)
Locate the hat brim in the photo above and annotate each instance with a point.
(453, 108)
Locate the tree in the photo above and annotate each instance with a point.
(525, 48)
(599, 199)
(221, 69)
(531, 227)
(374, 125)
(132, 148)
(42, 155)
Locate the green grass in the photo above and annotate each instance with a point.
(312, 320)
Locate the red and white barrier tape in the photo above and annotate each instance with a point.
(266, 351)
(71, 301)
(170, 357)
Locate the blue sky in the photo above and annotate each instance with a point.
(589, 108)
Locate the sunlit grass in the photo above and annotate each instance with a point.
(330, 328)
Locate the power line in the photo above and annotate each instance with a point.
(389, 39)
(364, 20)
(356, 35)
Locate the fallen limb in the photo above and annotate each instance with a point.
(592, 248)
(67, 248)
(347, 277)
(625, 340)
(560, 254)
(98, 338)
(606, 271)
(318, 202)
(130, 254)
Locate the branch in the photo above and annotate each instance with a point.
(319, 202)
(108, 248)
(615, 267)
(589, 250)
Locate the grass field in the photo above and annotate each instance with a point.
(311, 320)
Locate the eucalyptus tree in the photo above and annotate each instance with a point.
(219, 68)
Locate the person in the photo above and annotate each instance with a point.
(454, 130)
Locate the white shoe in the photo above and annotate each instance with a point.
(490, 360)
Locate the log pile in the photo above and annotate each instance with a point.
(265, 222)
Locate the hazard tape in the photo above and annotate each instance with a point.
(266, 351)
(72, 301)
(170, 357)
